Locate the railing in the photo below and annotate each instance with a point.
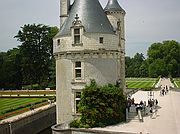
(127, 117)
(131, 91)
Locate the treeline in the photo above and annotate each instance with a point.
(32, 62)
(163, 59)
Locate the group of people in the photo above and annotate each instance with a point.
(129, 102)
(152, 102)
(164, 90)
(150, 107)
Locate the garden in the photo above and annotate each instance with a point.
(177, 82)
(14, 106)
(140, 83)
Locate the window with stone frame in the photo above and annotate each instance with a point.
(77, 100)
(58, 42)
(76, 35)
(101, 40)
(78, 70)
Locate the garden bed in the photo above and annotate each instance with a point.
(13, 106)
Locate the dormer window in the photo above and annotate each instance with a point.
(101, 40)
(77, 31)
(76, 35)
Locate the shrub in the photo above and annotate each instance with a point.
(100, 106)
(75, 123)
(148, 88)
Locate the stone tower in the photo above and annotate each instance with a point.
(88, 46)
(64, 10)
(116, 15)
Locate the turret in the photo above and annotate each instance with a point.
(115, 14)
(87, 47)
(64, 10)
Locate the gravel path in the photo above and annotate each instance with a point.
(167, 120)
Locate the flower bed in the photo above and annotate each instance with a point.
(22, 109)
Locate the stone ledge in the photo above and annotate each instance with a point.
(101, 53)
(64, 128)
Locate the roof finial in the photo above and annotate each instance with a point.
(76, 18)
(77, 21)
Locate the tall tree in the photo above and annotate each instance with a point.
(136, 66)
(36, 52)
(164, 59)
(10, 71)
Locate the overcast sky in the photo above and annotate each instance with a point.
(146, 21)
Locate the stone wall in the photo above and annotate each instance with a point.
(64, 129)
(103, 70)
(90, 42)
(30, 124)
(4, 128)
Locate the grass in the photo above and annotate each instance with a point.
(177, 82)
(140, 82)
(14, 104)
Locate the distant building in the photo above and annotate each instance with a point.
(90, 45)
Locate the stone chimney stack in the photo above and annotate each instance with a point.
(64, 10)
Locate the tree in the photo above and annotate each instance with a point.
(36, 52)
(128, 66)
(136, 66)
(164, 59)
(100, 106)
(143, 70)
(10, 71)
(157, 68)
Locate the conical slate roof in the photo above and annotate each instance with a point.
(113, 5)
(92, 16)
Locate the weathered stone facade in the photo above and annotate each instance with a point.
(82, 55)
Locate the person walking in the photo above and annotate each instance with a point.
(156, 102)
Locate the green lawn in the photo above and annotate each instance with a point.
(140, 82)
(177, 82)
(13, 103)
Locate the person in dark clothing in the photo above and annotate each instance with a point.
(156, 101)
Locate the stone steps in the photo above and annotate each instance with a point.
(132, 115)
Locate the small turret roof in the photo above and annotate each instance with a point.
(92, 16)
(113, 5)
